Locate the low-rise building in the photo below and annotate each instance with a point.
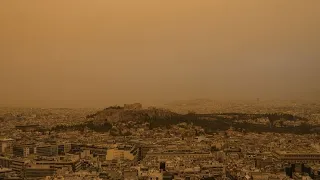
(38, 171)
(73, 163)
(21, 151)
(130, 153)
(6, 145)
(181, 153)
(5, 162)
(47, 150)
(297, 157)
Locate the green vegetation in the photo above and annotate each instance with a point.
(227, 120)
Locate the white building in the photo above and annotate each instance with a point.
(123, 153)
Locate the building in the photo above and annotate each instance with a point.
(5, 162)
(297, 176)
(261, 162)
(297, 157)
(6, 145)
(213, 169)
(38, 171)
(95, 150)
(18, 165)
(181, 153)
(232, 152)
(31, 146)
(4, 172)
(162, 166)
(313, 170)
(167, 176)
(64, 148)
(130, 174)
(73, 163)
(47, 150)
(155, 176)
(144, 149)
(110, 164)
(259, 176)
(21, 151)
(130, 153)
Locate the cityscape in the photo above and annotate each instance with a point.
(133, 142)
(160, 90)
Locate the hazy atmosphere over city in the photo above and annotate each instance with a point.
(160, 90)
(81, 53)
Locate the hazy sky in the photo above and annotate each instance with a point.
(80, 53)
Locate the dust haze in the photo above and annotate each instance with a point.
(99, 53)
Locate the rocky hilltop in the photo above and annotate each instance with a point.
(130, 113)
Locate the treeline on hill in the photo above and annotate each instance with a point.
(224, 122)
(105, 127)
(209, 126)
(243, 116)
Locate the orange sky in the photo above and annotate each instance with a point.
(80, 53)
